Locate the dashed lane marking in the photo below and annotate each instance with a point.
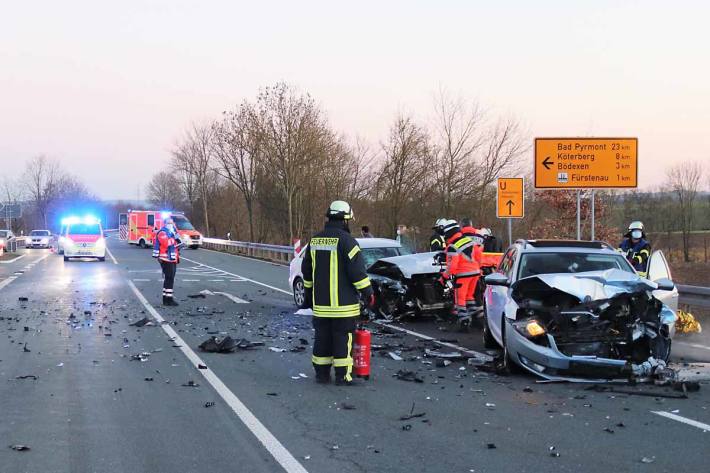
(190, 280)
(141, 280)
(685, 420)
(265, 437)
(7, 281)
(241, 277)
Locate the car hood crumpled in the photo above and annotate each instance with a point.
(418, 263)
(588, 286)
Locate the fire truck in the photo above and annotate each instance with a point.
(138, 227)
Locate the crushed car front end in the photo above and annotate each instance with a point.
(598, 325)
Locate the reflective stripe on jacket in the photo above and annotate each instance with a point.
(334, 270)
(461, 258)
(637, 254)
(437, 243)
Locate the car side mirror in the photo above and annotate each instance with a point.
(497, 279)
(665, 284)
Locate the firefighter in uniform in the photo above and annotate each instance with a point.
(334, 277)
(436, 242)
(166, 250)
(461, 266)
(478, 239)
(636, 248)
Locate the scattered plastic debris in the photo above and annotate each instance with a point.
(394, 356)
(200, 366)
(648, 459)
(141, 322)
(191, 384)
(227, 345)
(209, 404)
(28, 376)
(347, 407)
(23, 299)
(405, 375)
(20, 448)
(277, 349)
(491, 446)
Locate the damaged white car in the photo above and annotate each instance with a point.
(573, 310)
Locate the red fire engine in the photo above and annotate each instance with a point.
(138, 227)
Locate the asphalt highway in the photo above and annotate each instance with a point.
(88, 392)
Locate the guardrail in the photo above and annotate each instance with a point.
(695, 296)
(278, 253)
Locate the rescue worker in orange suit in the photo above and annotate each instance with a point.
(334, 279)
(461, 266)
(166, 250)
(478, 240)
(437, 242)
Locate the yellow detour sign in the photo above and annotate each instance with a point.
(579, 163)
(510, 198)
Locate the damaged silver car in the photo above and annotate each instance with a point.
(572, 310)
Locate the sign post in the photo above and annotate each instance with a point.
(586, 163)
(510, 201)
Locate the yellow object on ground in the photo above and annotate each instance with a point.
(686, 323)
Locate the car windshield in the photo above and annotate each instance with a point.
(182, 223)
(39, 233)
(373, 254)
(84, 229)
(532, 264)
(4, 233)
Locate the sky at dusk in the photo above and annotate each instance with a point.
(107, 87)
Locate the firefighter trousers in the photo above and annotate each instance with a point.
(169, 270)
(333, 346)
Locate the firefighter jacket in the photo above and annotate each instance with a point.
(637, 254)
(165, 246)
(437, 243)
(462, 258)
(334, 272)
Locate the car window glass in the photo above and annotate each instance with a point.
(532, 264)
(84, 229)
(657, 267)
(504, 264)
(511, 264)
(123, 219)
(151, 220)
(3, 234)
(182, 223)
(370, 255)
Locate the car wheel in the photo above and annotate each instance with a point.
(102, 258)
(194, 247)
(66, 258)
(488, 340)
(60, 252)
(299, 293)
(142, 244)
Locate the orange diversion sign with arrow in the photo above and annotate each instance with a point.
(510, 199)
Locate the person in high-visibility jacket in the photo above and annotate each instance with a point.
(461, 265)
(437, 242)
(478, 239)
(636, 248)
(334, 278)
(166, 250)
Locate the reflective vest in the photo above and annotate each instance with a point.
(165, 246)
(463, 256)
(334, 270)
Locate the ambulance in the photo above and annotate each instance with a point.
(138, 227)
(82, 238)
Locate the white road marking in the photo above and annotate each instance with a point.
(480, 356)
(694, 345)
(685, 420)
(216, 280)
(14, 259)
(241, 277)
(7, 281)
(111, 255)
(190, 280)
(141, 280)
(267, 439)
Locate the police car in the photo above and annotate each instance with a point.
(82, 238)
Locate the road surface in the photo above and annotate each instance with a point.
(88, 392)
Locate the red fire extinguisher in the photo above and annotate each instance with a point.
(361, 353)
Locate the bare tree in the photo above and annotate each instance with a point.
(193, 158)
(684, 181)
(458, 137)
(239, 148)
(403, 174)
(164, 190)
(41, 179)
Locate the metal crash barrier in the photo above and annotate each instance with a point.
(278, 253)
(695, 296)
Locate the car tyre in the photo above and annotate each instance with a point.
(194, 247)
(102, 258)
(142, 244)
(66, 258)
(299, 293)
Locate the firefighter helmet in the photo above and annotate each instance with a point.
(450, 227)
(485, 232)
(439, 223)
(340, 210)
(636, 230)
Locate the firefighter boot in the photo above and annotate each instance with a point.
(322, 373)
(342, 377)
(169, 301)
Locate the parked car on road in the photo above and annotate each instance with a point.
(373, 249)
(39, 239)
(576, 309)
(6, 240)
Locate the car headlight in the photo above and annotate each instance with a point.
(530, 328)
(101, 243)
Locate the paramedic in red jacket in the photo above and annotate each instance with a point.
(460, 265)
(166, 250)
(474, 234)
